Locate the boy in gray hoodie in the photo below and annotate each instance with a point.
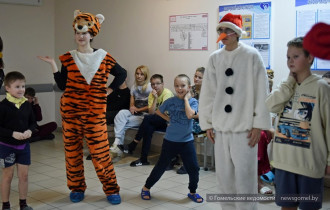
(301, 149)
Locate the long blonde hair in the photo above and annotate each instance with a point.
(145, 71)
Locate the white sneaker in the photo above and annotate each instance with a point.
(114, 149)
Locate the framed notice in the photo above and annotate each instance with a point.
(256, 23)
(189, 32)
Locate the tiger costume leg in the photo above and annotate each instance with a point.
(72, 127)
(97, 141)
(94, 129)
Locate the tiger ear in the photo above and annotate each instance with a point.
(100, 17)
(76, 12)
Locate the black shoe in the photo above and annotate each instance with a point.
(27, 208)
(49, 137)
(181, 170)
(89, 157)
(34, 139)
(138, 162)
(125, 149)
(173, 162)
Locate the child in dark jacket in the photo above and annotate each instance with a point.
(16, 125)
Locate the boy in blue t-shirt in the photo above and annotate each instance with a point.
(178, 138)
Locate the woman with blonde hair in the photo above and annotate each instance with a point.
(138, 108)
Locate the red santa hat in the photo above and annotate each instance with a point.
(233, 22)
(317, 41)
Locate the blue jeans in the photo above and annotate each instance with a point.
(150, 123)
(124, 120)
(169, 150)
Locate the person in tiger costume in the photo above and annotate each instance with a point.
(83, 77)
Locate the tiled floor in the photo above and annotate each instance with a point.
(48, 190)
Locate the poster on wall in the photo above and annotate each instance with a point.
(256, 23)
(307, 14)
(189, 32)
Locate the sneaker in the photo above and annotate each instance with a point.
(138, 162)
(181, 170)
(125, 149)
(115, 149)
(76, 197)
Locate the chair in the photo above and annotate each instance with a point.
(201, 140)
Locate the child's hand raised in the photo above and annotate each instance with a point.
(188, 95)
(35, 100)
(293, 75)
(154, 93)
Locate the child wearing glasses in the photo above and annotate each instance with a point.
(233, 112)
(151, 122)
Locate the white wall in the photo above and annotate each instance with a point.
(28, 31)
(135, 32)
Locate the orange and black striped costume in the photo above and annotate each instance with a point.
(83, 110)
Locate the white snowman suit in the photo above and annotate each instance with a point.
(232, 102)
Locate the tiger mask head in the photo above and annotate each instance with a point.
(87, 22)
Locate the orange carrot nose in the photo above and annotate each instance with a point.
(221, 37)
